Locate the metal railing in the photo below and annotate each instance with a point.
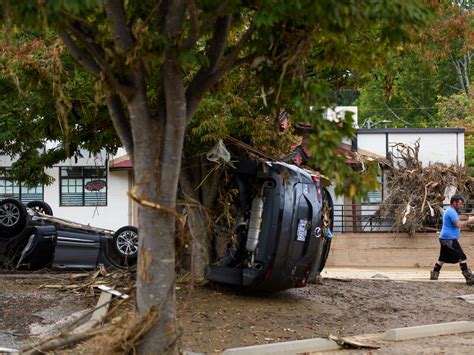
(362, 218)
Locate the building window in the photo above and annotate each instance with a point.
(376, 196)
(11, 188)
(83, 186)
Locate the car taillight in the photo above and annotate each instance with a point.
(317, 184)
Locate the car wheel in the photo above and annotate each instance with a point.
(40, 206)
(328, 211)
(126, 242)
(328, 223)
(13, 216)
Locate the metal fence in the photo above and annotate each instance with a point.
(362, 218)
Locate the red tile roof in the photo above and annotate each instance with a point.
(121, 163)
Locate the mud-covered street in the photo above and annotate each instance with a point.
(215, 317)
(218, 318)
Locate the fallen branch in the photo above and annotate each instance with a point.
(62, 340)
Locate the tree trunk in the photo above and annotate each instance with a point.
(155, 274)
(198, 228)
(158, 162)
(196, 222)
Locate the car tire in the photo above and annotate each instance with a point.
(328, 207)
(329, 204)
(13, 217)
(40, 206)
(126, 242)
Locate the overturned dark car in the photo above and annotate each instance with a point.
(282, 228)
(32, 239)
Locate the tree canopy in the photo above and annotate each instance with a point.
(152, 63)
(435, 65)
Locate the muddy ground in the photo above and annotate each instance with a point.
(218, 317)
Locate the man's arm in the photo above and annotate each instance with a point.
(460, 224)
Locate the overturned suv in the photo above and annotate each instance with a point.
(31, 238)
(282, 230)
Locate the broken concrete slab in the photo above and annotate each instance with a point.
(8, 343)
(289, 347)
(467, 298)
(423, 331)
(8, 351)
(100, 311)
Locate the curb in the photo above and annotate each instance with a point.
(323, 344)
(289, 347)
(424, 331)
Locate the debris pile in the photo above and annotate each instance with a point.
(112, 326)
(89, 283)
(109, 315)
(416, 193)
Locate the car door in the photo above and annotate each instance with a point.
(39, 249)
(76, 250)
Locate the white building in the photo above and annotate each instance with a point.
(92, 190)
(436, 145)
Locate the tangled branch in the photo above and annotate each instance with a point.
(416, 192)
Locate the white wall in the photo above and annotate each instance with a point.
(442, 145)
(435, 147)
(374, 143)
(113, 216)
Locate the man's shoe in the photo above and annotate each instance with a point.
(434, 275)
(468, 276)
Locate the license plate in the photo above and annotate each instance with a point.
(302, 230)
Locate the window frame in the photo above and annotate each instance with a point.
(4, 176)
(83, 178)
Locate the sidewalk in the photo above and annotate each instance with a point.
(449, 273)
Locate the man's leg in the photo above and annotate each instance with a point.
(466, 272)
(437, 268)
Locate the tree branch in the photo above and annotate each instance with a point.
(232, 57)
(214, 16)
(122, 35)
(459, 73)
(152, 12)
(174, 19)
(173, 137)
(218, 41)
(467, 63)
(193, 19)
(207, 76)
(196, 32)
(99, 57)
(79, 55)
(76, 19)
(252, 59)
(121, 123)
(89, 45)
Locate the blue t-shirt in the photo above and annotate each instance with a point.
(449, 230)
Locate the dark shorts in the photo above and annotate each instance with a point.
(451, 251)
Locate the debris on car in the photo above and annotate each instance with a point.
(281, 231)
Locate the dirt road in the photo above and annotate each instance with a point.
(218, 317)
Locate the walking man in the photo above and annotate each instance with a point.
(451, 251)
